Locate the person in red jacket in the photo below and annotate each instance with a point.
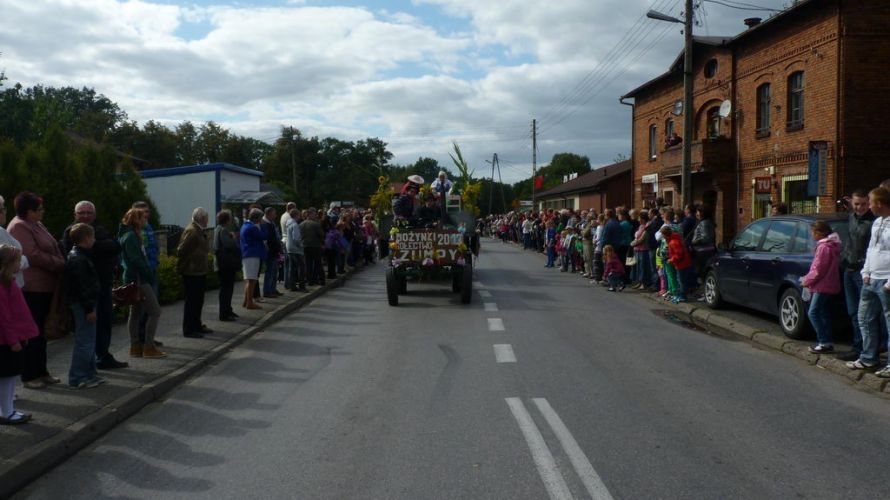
(614, 269)
(16, 328)
(678, 256)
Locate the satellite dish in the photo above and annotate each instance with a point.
(725, 108)
(678, 108)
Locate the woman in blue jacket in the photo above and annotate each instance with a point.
(253, 251)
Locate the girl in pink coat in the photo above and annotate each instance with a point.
(16, 327)
(823, 281)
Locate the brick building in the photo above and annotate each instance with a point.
(805, 110)
(608, 186)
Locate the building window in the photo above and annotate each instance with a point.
(714, 120)
(794, 195)
(668, 197)
(653, 142)
(761, 205)
(795, 100)
(763, 110)
(668, 132)
(711, 68)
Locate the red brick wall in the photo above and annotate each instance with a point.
(865, 94)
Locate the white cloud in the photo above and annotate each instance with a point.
(351, 72)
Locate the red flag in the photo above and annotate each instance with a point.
(539, 182)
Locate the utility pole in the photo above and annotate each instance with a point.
(534, 162)
(688, 109)
(293, 163)
(491, 186)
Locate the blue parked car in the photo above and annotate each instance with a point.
(762, 266)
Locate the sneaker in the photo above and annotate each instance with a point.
(883, 372)
(822, 349)
(848, 356)
(620, 288)
(611, 289)
(859, 365)
(34, 384)
(87, 384)
(49, 380)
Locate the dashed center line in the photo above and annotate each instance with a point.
(490, 307)
(484, 293)
(496, 325)
(503, 353)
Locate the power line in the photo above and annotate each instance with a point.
(743, 6)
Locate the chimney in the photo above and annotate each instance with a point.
(752, 22)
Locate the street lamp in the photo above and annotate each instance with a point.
(686, 168)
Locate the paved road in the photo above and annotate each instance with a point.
(554, 389)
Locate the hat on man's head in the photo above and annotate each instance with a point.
(416, 179)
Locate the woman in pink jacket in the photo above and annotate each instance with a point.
(823, 281)
(16, 327)
(41, 279)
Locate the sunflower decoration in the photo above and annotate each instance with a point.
(381, 200)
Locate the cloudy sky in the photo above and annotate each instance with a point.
(415, 73)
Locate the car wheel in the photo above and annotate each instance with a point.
(793, 315)
(712, 294)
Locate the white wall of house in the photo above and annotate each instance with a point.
(234, 182)
(177, 195)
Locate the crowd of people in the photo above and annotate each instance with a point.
(666, 251)
(659, 249)
(89, 269)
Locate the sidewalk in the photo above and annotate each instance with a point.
(67, 420)
(766, 333)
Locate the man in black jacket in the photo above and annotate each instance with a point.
(852, 260)
(82, 291)
(105, 255)
(273, 250)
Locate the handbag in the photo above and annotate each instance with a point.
(125, 295)
(631, 261)
(59, 320)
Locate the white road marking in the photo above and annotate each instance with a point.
(496, 325)
(484, 293)
(550, 475)
(478, 284)
(503, 353)
(490, 307)
(589, 477)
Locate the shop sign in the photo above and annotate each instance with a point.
(817, 178)
(763, 185)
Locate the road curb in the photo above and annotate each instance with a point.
(17, 472)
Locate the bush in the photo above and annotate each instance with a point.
(170, 281)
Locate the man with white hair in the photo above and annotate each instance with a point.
(105, 255)
(193, 250)
(441, 185)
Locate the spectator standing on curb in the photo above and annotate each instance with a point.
(282, 225)
(370, 235)
(105, 255)
(587, 233)
(688, 223)
(228, 262)
(312, 235)
(82, 290)
(41, 281)
(704, 242)
(7, 239)
(137, 270)
(152, 254)
(550, 244)
(614, 269)
(192, 253)
(678, 256)
(853, 258)
(17, 327)
(273, 250)
(875, 299)
(641, 252)
(597, 271)
(823, 281)
(295, 279)
(253, 251)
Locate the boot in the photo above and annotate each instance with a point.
(135, 350)
(153, 352)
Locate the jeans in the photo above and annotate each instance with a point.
(194, 302)
(270, 280)
(551, 256)
(104, 315)
(820, 317)
(143, 320)
(874, 301)
(683, 278)
(616, 280)
(314, 266)
(83, 357)
(644, 269)
(149, 308)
